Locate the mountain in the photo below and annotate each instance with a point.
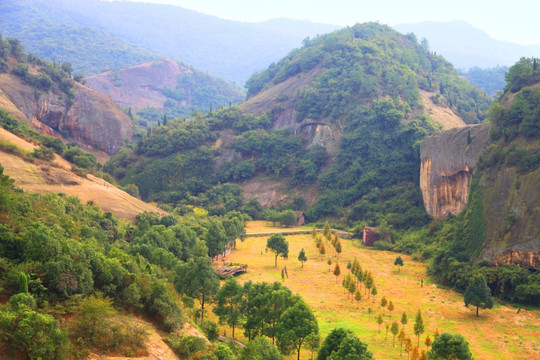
(43, 94)
(332, 129)
(170, 87)
(487, 175)
(466, 46)
(229, 49)
(45, 29)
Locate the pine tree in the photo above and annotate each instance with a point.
(384, 302)
(302, 257)
(322, 249)
(399, 263)
(329, 262)
(418, 326)
(415, 354)
(357, 296)
(428, 342)
(374, 291)
(401, 338)
(478, 293)
(390, 307)
(326, 229)
(394, 329)
(379, 321)
(337, 271)
(404, 318)
(338, 247)
(314, 233)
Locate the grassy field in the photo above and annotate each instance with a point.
(499, 333)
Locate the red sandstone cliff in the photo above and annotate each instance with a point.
(448, 161)
(93, 120)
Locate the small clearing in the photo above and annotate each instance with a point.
(441, 114)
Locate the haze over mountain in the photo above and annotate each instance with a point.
(467, 46)
(230, 49)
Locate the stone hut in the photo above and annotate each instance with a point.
(300, 217)
(371, 235)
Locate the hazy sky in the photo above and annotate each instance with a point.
(517, 21)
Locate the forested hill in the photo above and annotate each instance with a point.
(331, 129)
(97, 35)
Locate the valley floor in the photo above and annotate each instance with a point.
(499, 333)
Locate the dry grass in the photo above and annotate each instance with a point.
(43, 177)
(499, 333)
(440, 114)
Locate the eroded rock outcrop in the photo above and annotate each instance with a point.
(92, 120)
(448, 160)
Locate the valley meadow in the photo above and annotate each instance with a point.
(499, 333)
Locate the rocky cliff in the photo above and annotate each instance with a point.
(92, 120)
(510, 200)
(448, 160)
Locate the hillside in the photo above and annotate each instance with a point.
(501, 159)
(330, 129)
(466, 46)
(120, 34)
(58, 177)
(169, 87)
(43, 94)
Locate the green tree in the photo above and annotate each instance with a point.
(339, 344)
(278, 245)
(450, 346)
(404, 318)
(357, 296)
(287, 218)
(223, 352)
(478, 293)
(33, 334)
(94, 315)
(326, 229)
(398, 262)
(313, 342)
(418, 326)
(384, 302)
(215, 238)
(379, 321)
(390, 307)
(198, 279)
(296, 323)
(229, 303)
(337, 271)
(260, 348)
(338, 247)
(23, 283)
(394, 329)
(302, 257)
(351, 348)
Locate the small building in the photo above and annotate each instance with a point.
(300, 217)
(371, 235)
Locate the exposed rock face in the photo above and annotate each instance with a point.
(139, 86)
(93, 119)
(448, 161)
(512, 213)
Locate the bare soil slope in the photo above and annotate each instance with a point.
(139, 86)
(440, 113)
(44, 177)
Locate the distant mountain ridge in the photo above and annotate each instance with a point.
(170, 87)
(234, 50)
(466, 46)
